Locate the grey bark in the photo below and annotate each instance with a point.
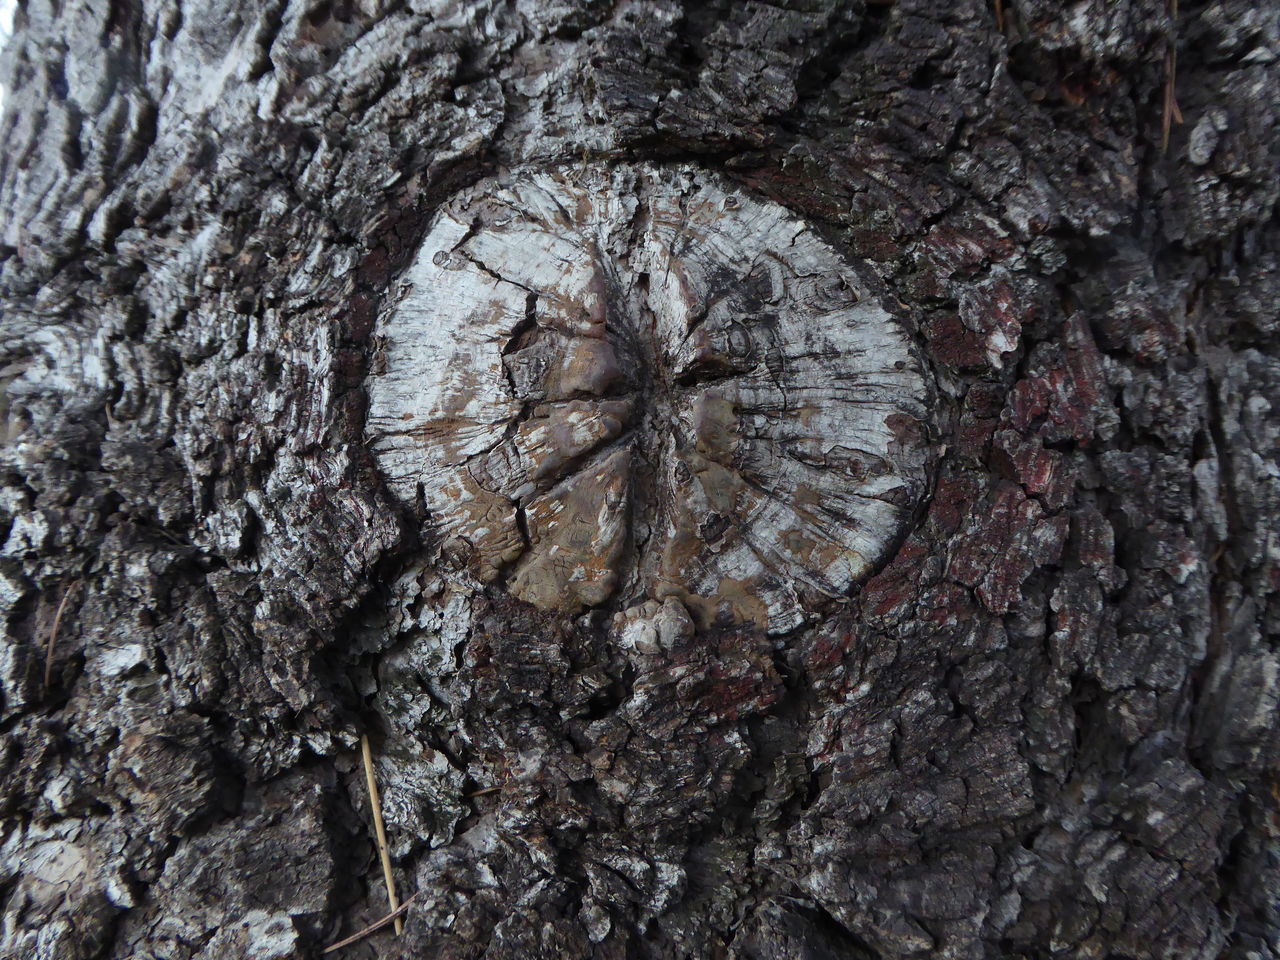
(1043, 723)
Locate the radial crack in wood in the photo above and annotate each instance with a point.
(587, 352)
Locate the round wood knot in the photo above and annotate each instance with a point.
(616, 383)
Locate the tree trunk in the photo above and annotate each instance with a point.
(771, 480)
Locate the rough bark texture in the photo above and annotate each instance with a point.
(1045, 723)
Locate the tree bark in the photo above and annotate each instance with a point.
(870, 547)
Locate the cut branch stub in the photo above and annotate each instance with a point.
(629, 382)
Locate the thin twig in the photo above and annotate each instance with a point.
(484, 792)
(1171, 113)
(53, 634)
(380, 831)
(1000, 15)
(374, 927)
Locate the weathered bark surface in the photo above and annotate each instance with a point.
(1039, 721)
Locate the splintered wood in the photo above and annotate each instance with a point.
(611, 385)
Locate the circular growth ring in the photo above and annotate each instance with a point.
(630, 382)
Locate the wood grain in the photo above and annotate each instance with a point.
(619, 383)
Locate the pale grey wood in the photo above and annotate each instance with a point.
(613, 384)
